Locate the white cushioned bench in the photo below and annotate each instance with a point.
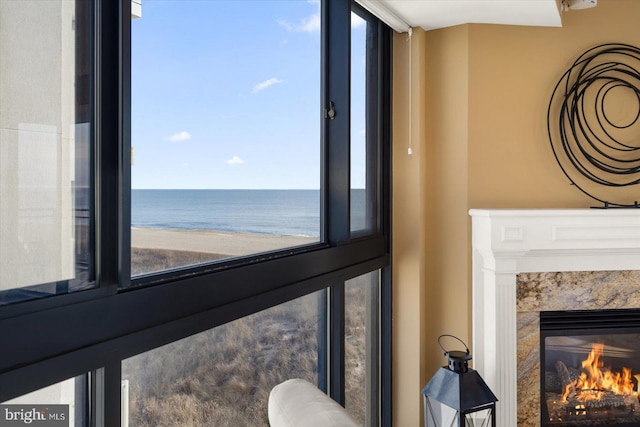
(298, 403)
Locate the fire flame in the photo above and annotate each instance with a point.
(596, 379)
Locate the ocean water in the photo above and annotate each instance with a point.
(277, 212)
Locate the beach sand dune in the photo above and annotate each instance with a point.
(225, 244)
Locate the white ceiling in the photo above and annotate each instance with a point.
(432, 14)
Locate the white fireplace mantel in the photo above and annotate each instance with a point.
(508, 242)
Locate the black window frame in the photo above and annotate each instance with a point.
(63, 336)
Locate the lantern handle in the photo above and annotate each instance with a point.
(454, 337)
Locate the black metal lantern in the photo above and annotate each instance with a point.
(457, 396)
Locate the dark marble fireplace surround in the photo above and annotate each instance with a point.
(529, 261)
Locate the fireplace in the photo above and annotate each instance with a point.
(530, 261)
(590, 368)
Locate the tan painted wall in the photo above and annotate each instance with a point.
(409, 311)
(479, 97)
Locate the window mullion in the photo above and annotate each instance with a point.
(385, 347)
(372, 352)
(383, 130)
(336, 51)
(336, 343)
(106, 389)
(112, 241)
(384, 170)
(125, 137)
(373, 141)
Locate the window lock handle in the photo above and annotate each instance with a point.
(330, 113)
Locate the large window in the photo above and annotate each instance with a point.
(45, 149)
(223, 376)
(364, 119)
(362, 347)
(226, 130)
(190, 210)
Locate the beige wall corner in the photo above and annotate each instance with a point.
(430, 231)
(447, 299)
(409, 228)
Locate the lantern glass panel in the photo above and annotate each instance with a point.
(437, 414)
(480, 418)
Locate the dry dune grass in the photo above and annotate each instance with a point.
(223, 376)
(355, 347)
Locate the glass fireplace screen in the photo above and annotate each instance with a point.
(591, 378)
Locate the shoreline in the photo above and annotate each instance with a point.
(224, 243)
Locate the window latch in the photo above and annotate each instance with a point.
(330, 113)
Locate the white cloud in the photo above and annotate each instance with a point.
(356, 21)
(180, 137)
(235, 160)
(310, 24)
(265, 84)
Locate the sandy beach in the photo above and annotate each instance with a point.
(214, 242)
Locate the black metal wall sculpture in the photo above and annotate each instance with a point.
(594, 124)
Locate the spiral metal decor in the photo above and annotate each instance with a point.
(594, 124)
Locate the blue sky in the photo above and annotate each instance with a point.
(226, 94)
